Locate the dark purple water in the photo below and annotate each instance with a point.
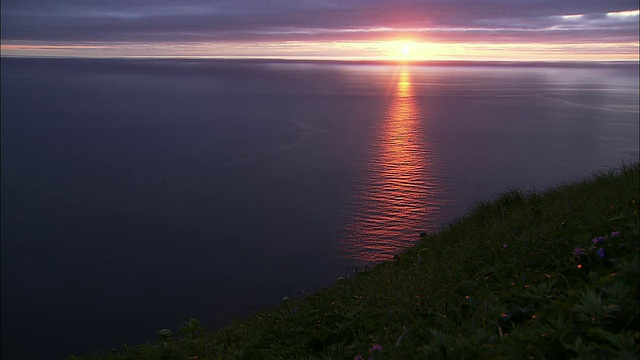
(139, 193)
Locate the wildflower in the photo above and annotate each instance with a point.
(358, 357)
(597, 240)
(615, 234)
(505, 246)
(600, 253)
(375, 347)
(164, 335)
(578, 251)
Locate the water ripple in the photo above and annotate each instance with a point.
(400, 190)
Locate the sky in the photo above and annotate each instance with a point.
(511, 30)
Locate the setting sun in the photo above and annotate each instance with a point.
(406, 50)
(401, 50)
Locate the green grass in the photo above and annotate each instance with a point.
(519, 277)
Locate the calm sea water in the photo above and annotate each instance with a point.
(139, 193)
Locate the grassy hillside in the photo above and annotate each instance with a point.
(551, 275)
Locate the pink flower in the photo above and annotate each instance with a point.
(505, 246)
(375, 347)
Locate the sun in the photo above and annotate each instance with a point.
(406, 50)
(401, 50)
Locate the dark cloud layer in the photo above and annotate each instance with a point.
(314, 20)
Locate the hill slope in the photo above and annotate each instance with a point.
(551, 275)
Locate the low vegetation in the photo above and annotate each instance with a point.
(551, 275)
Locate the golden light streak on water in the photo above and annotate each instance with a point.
(400, 192)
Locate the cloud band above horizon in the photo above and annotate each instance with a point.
(320, 28)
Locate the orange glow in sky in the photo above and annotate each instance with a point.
(400, 50)
(318, 30)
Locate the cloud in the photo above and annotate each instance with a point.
(197, 21)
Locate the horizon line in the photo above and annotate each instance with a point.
(363, 61)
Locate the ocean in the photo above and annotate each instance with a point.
(139, 193)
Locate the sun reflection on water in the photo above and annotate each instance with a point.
(399, 194)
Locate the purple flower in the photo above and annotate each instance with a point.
(578, 251)
(358, 357)
(375, 347)
(600, 253)
(505, 246)
(598, 240)
(615, 234)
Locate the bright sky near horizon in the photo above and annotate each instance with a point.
(548, 30)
